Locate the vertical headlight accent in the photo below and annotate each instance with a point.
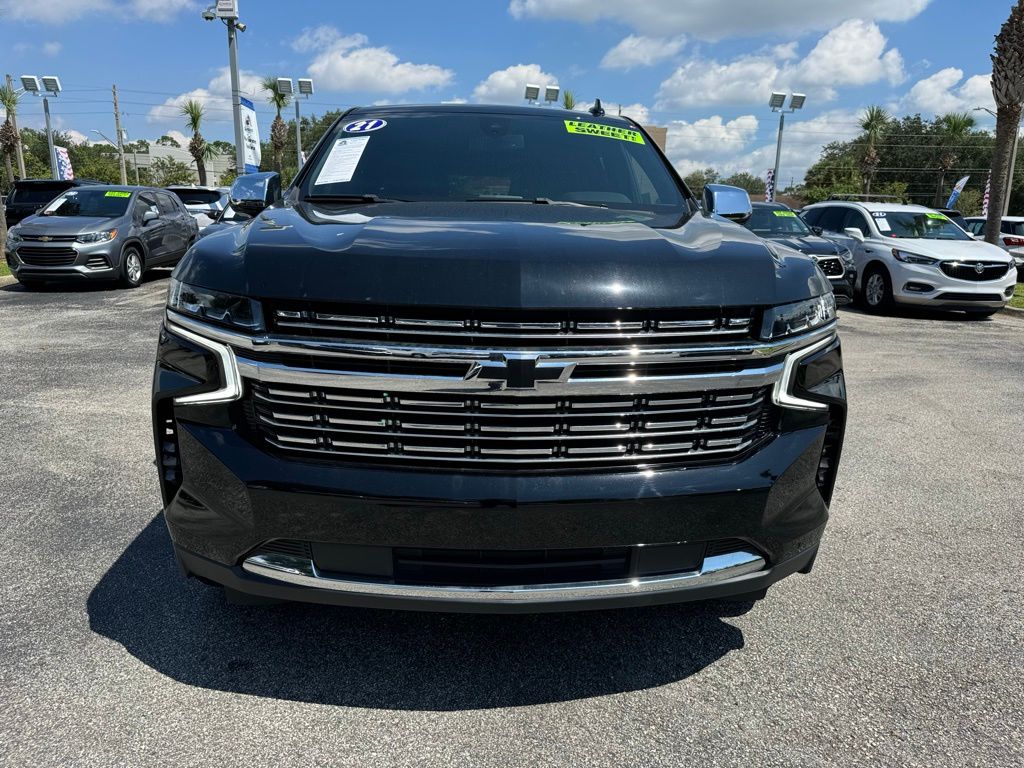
(232, 389)
(782, 393)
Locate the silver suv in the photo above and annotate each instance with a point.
(100, 233)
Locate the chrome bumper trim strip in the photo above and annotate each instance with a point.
(303, 572)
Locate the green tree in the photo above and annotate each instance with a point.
(697, 180)
(193, 113)
(278, 129)
(168, 141)
(1008, 91)
(874, 122)
(164, 171)
(748, 181)
(953, 131)
(8, 136)
(568, 99)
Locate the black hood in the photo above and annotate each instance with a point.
(809, 244)
(501, 255)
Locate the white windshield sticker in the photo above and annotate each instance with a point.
(343, 160)
(883, 225)
(878, 214)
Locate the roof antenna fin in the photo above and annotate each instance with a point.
(597, 110)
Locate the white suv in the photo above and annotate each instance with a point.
(913, 255)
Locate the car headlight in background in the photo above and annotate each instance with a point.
(13, 238)
(222, 308)
(802, 316)
(97, 237)
(912, 258)
(847, 256)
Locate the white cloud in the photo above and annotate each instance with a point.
(640, 51)
(506, 85)
(61, 11)
(77, 137)
(711, 136)
(854, 53)
(715, 19)
(215, 98)
(345, 63)
(638, 112)
(947, 91)
(52, 48)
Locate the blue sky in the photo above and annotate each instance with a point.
(702, 67)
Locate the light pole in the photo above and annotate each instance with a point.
(777, 102)
(284, 87)
(227, 11)
(50, 84)
(1013, 161)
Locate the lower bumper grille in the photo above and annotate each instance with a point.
(492, 431)
(47, 257)
(968, 297)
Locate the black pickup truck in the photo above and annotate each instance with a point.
(500, 359)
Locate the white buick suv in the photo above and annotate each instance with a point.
(909, 254)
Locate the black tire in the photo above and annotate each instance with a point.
(876, 290)
(133, 267)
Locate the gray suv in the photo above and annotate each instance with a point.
(100, 233)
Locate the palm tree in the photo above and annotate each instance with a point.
(873, 123)
(193, 112)
(568, 99)
(8, 136)
(954, 128)
(1008, 90)
(278, 129)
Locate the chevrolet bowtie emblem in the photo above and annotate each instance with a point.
(45, 239)
(511, 371)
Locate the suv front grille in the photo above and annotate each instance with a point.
(831, 266)
(498, 430)
(47, 257)
(512, 328)
(990, 270)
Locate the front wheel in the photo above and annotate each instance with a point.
(876, 294)
(131, 268)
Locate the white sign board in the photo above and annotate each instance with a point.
(227, 9)
(250, 136)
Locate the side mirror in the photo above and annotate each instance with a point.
(253, 193)
(855, 233)
(728, 202)
(149, 216)
(818, 231)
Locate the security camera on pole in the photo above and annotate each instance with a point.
(227, 11)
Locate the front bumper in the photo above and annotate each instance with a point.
(741, 526)
(927, 286)
(843, 286)
(64, 260)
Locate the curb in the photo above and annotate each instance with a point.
(1016, 314)
(7, 280)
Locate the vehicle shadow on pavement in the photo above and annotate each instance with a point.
(86, 286)
(393, 659)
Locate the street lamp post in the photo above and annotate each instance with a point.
(1013, 161)
(285, 87)
(227, 11)
(50, 84)
(777, 103)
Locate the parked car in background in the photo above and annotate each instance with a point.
(485, 358)
(909, 254)
(204, 203)
(779, 223)
(29, 195)
(955, 216)
(224, 219)
(1011, 238)
(100, 233)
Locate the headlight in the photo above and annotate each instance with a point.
(847, 256)
(223, 308)
(97, 237)
(912, 258)
(790, 319)
(13, 238)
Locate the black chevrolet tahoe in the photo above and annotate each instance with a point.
(495, 359)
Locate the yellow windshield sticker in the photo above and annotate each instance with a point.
(785, 214)
(936, 216)
(117, 193)
(606, 131)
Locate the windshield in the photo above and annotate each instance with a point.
(35, 194)
(924, 225)
(197, 196)
(90, 202)
(767, 222)
(459, 157)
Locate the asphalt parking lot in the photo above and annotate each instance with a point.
(905, 646)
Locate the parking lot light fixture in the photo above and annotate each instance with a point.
(551, 94)
(777, 102)
(532, 93)
(46, 86)
(287, 87)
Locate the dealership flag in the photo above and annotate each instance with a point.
(988, 192)
(250, 136)
(957, 189)
(64, 169)
(769, 186)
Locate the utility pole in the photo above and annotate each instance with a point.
(120, 139)
(18, 150)
(298, 135)
(778, 153)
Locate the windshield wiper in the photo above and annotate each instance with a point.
(531, 200)
(351, 199)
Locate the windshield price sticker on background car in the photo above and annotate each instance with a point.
(606, 131)
(343, 160)
(937, 216)
(365, 126)
(878, 214)
(883, 225)
(785, 214)
(117, 193)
